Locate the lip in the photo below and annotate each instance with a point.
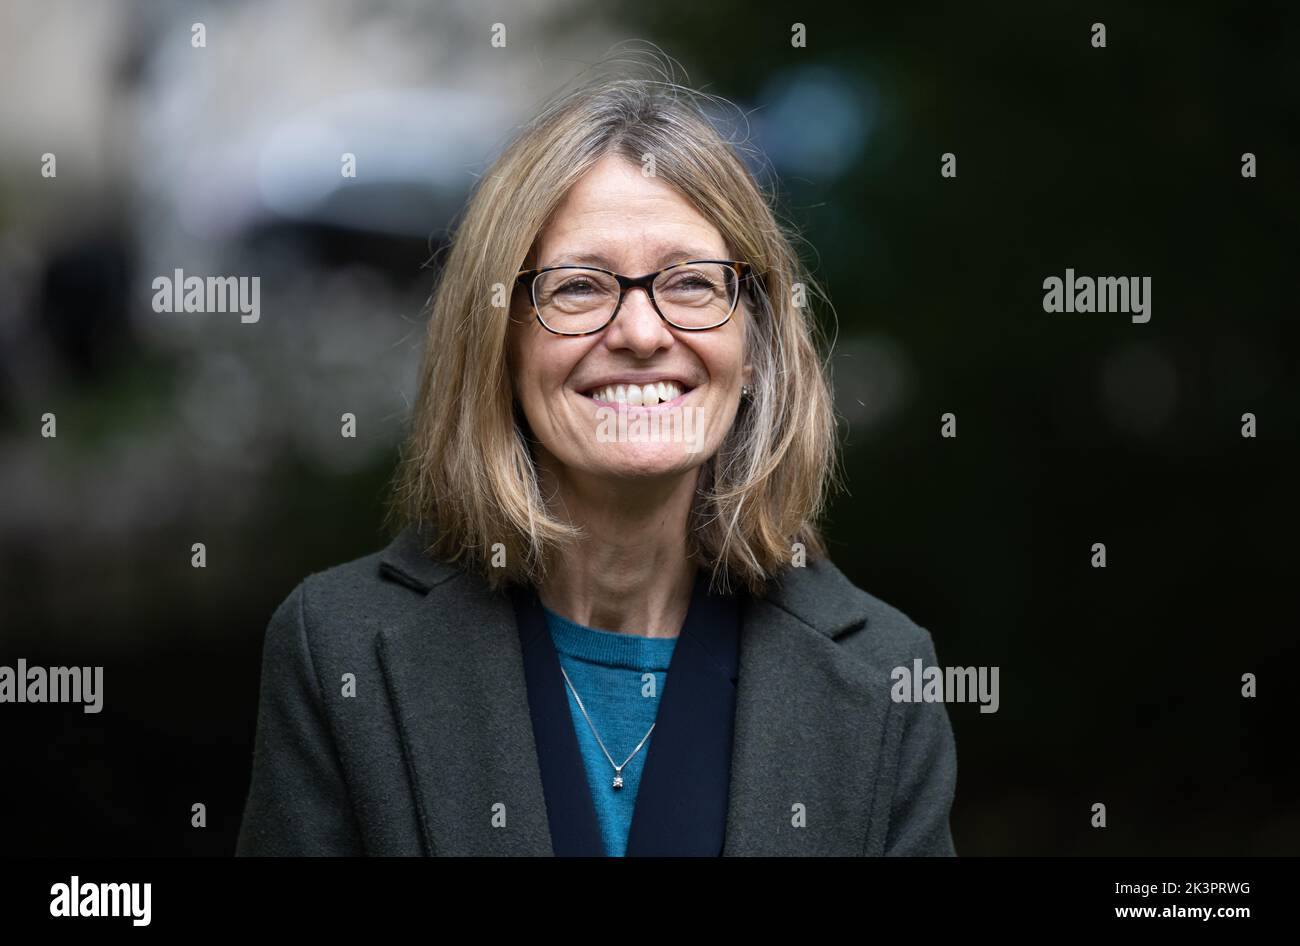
(637, 379)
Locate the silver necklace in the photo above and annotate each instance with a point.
(618, 769)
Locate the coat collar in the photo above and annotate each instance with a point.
(801, 746)
(820, 596)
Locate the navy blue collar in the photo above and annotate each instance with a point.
(681, 805)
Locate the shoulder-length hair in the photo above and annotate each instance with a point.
(466, 467)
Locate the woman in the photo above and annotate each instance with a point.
(608, 625)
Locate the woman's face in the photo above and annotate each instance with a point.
(617, 219)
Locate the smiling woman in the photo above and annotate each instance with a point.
(498, 679)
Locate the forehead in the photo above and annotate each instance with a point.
(616, 211)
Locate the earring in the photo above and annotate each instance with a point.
(745, 393)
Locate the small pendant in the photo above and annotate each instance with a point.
(618, 781)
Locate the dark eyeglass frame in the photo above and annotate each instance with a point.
(527, 278)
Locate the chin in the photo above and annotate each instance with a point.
(647, 461)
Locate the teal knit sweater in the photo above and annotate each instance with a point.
(620, 678)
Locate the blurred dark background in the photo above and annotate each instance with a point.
(1118, 685)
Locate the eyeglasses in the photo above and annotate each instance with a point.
(581, 300)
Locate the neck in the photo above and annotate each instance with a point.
(630, 572)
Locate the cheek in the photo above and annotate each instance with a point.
(725, 360)
(540, 374)
(524, 357)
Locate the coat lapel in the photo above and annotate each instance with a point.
(571, 815)
(805, 736)
(809, 722)
(455, 675)
(681, 806)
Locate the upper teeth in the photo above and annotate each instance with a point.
(644, 394)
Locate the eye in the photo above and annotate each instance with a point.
(577, 286)
(692, 281)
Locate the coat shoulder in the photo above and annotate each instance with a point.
(867, 626)
(342, 607)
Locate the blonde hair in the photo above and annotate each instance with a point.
(466, 467)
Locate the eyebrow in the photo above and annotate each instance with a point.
(676, 254)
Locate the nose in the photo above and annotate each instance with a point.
(637, 326)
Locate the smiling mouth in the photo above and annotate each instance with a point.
(655, 394)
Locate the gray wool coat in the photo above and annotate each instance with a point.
(437, 733)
